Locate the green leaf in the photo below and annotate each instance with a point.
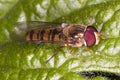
(27, 60)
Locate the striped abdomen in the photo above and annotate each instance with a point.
(44, 35)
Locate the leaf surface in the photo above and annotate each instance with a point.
(27, 60)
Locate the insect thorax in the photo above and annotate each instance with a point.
(74, 34)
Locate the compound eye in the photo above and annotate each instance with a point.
(89, 36)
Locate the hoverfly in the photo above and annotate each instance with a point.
(66, 34)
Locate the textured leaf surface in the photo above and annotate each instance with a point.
(26, 61)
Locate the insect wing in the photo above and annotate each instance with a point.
(30, 25)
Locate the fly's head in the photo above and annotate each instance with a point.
(91, 36)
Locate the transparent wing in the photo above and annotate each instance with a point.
(26, 26)
(21, 28)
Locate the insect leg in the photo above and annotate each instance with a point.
(55, 52)
(73, 49)
(89, 50)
